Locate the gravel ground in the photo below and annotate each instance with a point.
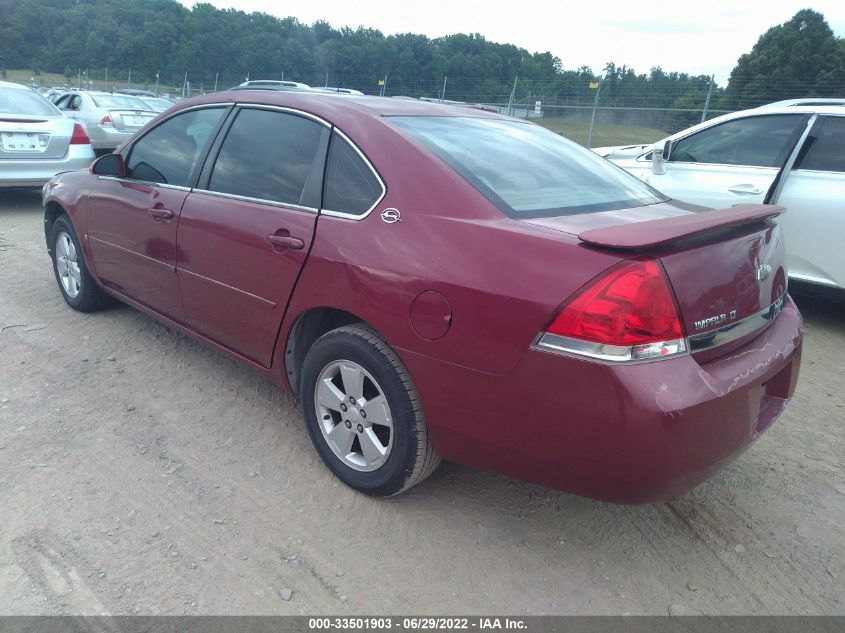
(141, 472)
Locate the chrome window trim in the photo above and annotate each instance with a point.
(273, 203)
(361, 216)
(160, 185)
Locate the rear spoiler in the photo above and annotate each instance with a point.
(639, 235)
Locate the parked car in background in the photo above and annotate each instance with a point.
(789, 153)
(135, 92)
(435, 281)
(156, 104)
(344, 91)
(53, 94)
(36, 141)
(273, 83)
(108, 118)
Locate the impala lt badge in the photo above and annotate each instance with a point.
(391, 216)
(717, 319)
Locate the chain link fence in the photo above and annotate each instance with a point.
(589, 110)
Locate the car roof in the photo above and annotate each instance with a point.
(11, 84)
(807, 101)
(330, 105)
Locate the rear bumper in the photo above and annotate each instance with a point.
(35, 172)
(628, 434)
(105, 138)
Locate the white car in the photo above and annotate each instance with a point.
(791, 154)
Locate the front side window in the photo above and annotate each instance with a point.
(168, 153)
(827, 149)
(270, 155)
(351, 186)
(758, 141)
(526, 170)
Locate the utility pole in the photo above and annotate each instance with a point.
(513, 94)
(383, 86)
(156, 83)
(707, 101)
(593, 118)
(184, 84)
(326, 85)
(129, 79)
(215, 81)
(443, 94)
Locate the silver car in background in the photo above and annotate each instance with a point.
(156, 104)
(36, 141)
(110, 119)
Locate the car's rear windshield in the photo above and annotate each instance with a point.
(526, 170)
(119, 101)
(17, 101)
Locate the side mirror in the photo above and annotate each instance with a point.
(109, 165)
(659, 157)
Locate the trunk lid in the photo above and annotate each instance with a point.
(130, 120)
(726, 267)
(34, 137)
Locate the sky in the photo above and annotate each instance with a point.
(699, 38)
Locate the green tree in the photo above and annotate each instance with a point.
(799, 58)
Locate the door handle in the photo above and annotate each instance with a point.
(159, 214)
(746, 189)
(285, 242)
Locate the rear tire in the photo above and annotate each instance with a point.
(78, 287)
(363, 413)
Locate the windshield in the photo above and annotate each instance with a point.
(17, 101)
(119, 101)
(526, 170)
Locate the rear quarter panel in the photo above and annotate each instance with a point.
(503, 278)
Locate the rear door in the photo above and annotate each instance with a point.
(814, 196)
(132, 221)
(246, 230)
(735, 162)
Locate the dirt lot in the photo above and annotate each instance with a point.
(143, 473)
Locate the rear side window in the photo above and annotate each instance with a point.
(272, 156)
(827, 152)
(351, 186)
(169, 153)
(759, 141)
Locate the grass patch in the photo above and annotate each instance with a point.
(22, 76)
(603, 133)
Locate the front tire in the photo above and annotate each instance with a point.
(78, 287)
(363, 413)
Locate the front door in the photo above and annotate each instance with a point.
(735, 162)
(246, 230)
(132, 221)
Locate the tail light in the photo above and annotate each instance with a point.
(106, 121)
(629, 314)
(79, 136)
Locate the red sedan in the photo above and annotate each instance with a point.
(442, 282)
